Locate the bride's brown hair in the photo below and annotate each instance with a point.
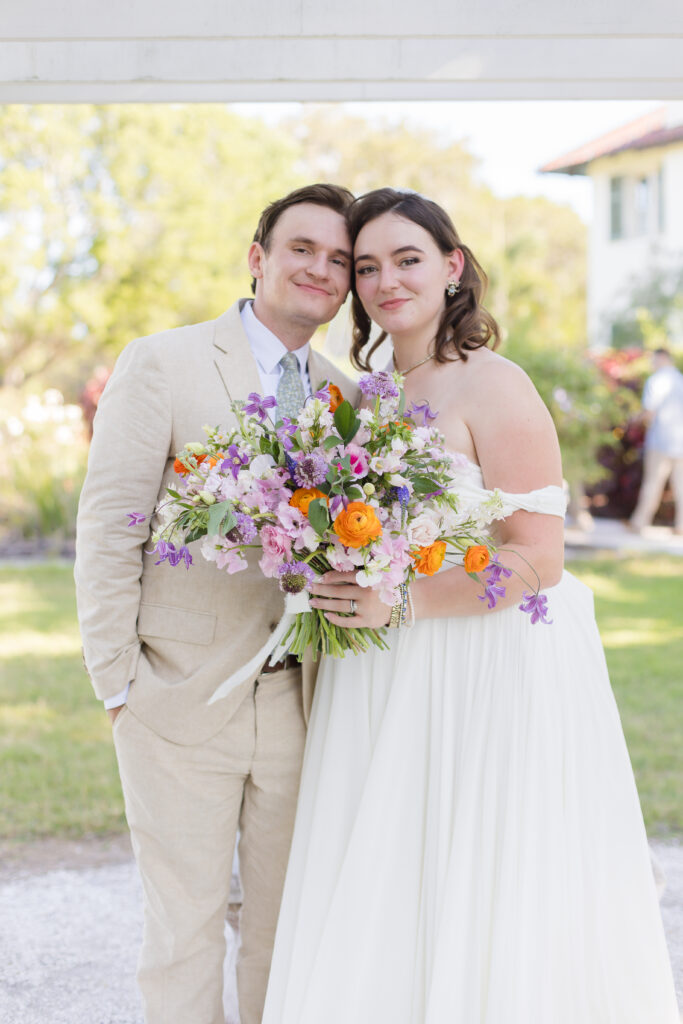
(465, 324)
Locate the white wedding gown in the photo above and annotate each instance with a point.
(469, 847)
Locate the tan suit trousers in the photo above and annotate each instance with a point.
(657, 468)
(184, 805)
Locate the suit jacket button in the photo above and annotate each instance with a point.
(272, 626)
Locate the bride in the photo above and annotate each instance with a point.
(469, 847)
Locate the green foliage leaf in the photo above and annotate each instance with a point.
(221, 519)
(318, 515)
(346, 421)
(425, 484)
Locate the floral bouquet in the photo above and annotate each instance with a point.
(374, 492)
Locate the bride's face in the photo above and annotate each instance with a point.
(401, 275)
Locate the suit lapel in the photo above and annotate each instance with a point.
(233, 360)
(317, 371)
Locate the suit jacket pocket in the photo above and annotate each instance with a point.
(171, 623)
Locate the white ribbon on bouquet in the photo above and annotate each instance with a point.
(273, 649)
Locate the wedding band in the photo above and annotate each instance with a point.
(353, 606)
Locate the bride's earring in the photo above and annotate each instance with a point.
(452, 288)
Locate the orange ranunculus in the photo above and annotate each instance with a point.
(183, 470)
(477, 557)
(336, 397)
(303, 496)
(357, 524)
(429, 560)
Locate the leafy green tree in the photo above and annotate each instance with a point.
(117, 221)
(651, 316)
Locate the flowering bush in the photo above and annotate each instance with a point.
(43, 456)
(373, 492)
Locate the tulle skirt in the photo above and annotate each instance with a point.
(469, 846)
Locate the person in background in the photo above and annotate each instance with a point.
(663, 459)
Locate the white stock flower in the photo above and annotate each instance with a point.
(261, 467)
(389, 463)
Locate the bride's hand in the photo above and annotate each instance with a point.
(334, 593)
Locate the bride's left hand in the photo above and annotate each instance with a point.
(334, 592)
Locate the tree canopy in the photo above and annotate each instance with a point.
(118, 221)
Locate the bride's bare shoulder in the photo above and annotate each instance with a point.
(500, 376)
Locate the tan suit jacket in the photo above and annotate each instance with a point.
(175, 633)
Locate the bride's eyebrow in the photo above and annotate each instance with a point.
(396, 252)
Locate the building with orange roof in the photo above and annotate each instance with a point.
(637, 174)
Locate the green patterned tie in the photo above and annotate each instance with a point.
(290, 390)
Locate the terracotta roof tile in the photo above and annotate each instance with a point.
(643, 133)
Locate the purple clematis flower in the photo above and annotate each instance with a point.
(536, 605)
(422, 409)
(136, 518)
(495, 570)
(234, 461)
(295, 577)
(492, 591)
(323, 394)
(285, 433)
(257, 406)
(169, 552)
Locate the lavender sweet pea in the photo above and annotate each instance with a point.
(257, 406)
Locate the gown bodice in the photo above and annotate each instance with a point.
(550, 500)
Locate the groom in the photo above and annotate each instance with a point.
(158, 640)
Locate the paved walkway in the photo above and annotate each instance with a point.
(614, 535)
(69, 935)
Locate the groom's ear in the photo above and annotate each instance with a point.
(255, 259)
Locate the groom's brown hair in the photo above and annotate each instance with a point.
(336, 197)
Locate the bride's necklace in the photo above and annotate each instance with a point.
(404, 373)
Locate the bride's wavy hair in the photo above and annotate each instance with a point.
(465, 324)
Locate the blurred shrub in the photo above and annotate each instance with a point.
(585, 404)
(43, 457)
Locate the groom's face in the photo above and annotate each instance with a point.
(303, 275)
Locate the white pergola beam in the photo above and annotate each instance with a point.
(223, 50)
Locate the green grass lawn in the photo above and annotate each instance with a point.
(57, 766)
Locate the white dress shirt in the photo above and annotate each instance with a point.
(267, 350)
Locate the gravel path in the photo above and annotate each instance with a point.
(70, 925)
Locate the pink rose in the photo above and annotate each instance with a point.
(277, 548)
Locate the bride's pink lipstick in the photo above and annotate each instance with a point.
(392, 303)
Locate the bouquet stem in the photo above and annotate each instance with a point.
(312, 629)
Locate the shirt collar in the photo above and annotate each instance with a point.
(266, 347)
